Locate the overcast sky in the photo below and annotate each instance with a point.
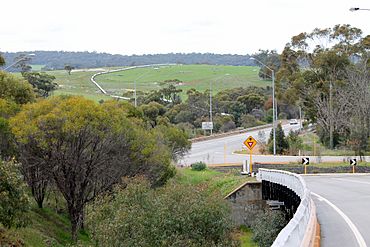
(163, 26)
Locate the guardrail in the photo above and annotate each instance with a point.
(92, 79)
(301, 229)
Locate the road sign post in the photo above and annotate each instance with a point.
(305, 162)
(353, 163)
(250, 143)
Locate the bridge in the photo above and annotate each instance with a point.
(338, 202)
(327, 209)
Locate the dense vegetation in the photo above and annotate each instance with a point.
(327, 73)
(174, 215)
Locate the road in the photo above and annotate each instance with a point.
(342, 203)
(219, 151)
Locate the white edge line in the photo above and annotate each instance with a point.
(360, 240)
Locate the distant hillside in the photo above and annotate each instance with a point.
(52, 60)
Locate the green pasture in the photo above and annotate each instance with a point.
(191, 76)
(78, 83)
(153, 78)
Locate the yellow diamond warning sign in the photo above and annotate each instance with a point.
(250, 142)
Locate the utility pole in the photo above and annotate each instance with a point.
(274, 109)
(210, 104)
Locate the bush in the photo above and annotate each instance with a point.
(248, 120)
(267, 226)
(198, 166)
(295, 143)
(14, 202)
(174, 215)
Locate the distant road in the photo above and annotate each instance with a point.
(220, 150)
(343, 203)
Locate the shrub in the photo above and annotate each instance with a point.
(198, 166)
(14, 202)
(174, 215)
(267, 226)
(248, 121)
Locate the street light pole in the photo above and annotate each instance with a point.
(274, 109)
(210, 104)
(274, 104)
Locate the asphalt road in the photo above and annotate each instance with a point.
(343, 203)
(220, 151)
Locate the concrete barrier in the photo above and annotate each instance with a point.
(302, 228)
(235, 132)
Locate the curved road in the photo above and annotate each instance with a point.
(220, 150)
(343, 203)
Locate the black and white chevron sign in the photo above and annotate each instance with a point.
(305, 161)
(353, 162)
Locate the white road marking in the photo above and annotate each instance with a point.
(350, 180)
(360, 240)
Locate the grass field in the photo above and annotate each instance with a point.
(191, 76)
(224, 182)
(78, 83)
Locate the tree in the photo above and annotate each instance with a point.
(8, 108)
(152, 111)
(175, 139)
(86, 148)
(171, 94)
(355, 98)
(14, 202)
(295, 143)
(313, 72)
(252, 101)
(22, 63)
(68, 68)
(15, 89)
(41, 82)
(2, 60)
(248, 121)
(282, 144)
(271, 59)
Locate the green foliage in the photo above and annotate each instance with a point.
(252, 101)
(268, 117)
(14, 202)
(15, 89)
(248, 121)
(295, 143)
(2, 60)
(68, 68)
(198, 166)
(282, 144)
(318, 71)
(96, 143)
(175, 215)
(267, 226)
(41, 82)
(175, 139)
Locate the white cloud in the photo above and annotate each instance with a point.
(145, 26)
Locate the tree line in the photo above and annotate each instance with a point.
(52, 60)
